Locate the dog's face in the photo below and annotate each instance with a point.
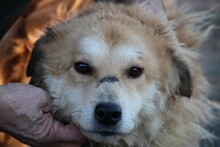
(107, 74)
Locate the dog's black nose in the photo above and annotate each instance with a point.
(108, 113)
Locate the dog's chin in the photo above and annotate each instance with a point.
(104, 136)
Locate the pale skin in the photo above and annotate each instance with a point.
(25, 109)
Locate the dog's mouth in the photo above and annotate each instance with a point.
(106, 136)
(104, 133)
(107, 133)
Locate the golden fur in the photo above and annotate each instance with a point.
(166, 106)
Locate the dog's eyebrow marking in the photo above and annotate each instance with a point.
(109, 79)
(93, 47)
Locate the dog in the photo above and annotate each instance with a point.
(115, 71)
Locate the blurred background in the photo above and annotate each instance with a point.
(210, 59)
(16, 45)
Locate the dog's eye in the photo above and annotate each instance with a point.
(82, 68)
(135, 72)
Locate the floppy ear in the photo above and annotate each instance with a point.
(34, 69)
(36, 56)
(185, 80)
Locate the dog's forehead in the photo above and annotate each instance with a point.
(93, 46)
(96, 49)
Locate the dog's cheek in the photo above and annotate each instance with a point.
(65, 100)
(154, 100)
(77, 99)
(152, 109)
(58, 103)
(80, 104)
(130, 102)
(139, 105)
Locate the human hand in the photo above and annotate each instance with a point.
(25, 116)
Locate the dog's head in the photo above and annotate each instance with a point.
(108, 73)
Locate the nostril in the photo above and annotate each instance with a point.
(100, 114)
(116, 115)
(108, 113)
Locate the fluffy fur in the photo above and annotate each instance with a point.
(165, 106)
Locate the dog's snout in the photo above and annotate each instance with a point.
(108, 113)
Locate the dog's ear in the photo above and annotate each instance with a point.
(36, 56)
(34, 69)
(185, 80)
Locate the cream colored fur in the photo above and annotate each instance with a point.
(156, 111)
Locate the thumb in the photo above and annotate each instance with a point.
(65, 133)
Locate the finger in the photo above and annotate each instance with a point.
(69, 133)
